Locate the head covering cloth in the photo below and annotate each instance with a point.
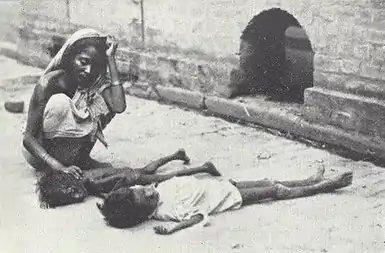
(57, 62)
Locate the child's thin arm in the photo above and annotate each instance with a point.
(166, 230)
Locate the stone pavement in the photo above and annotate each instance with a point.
(350, 220)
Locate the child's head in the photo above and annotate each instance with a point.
(59, 188)
(129, 206)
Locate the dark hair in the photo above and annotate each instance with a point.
(120, 211)
(98, 43)
(58, 189)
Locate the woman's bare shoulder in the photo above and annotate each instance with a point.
(50, 84)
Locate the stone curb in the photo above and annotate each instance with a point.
(27, 79)
(10, 50)
(187, 98)
(266, 116)
(277, 119)
(366, 145)
(141, 93)
(290, 123)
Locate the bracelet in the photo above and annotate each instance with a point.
(116, 83)
(45, 157)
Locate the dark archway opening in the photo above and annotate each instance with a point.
(276, 58)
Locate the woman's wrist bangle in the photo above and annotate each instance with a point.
(116, 83)
(45, 157)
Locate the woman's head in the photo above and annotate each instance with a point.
(83, 55)
(85, 60)
(129, 206)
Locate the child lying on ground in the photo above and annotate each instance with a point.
(189, 200)
(57, 188)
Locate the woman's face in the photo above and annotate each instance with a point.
(87, 65)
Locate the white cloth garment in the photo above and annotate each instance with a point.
(180, 198)
(73, 118)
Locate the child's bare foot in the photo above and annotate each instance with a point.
(335, 183)
(181, 155)
(211, 169)
(319, 176)
(343, 180)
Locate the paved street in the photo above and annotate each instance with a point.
(350, 220)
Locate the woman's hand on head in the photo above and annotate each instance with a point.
(74, 171)
(112, 45)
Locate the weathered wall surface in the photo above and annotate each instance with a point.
(9, 18)
(346, 35)
(192, 45)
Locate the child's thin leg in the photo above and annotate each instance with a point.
(208, 167)
(103, 180)
(99, 186)
(250, 195)
(278, 191)
(292, 183)
(253, 184)
(318, 177)
(132, 177)
(153, 166)
(326, 185)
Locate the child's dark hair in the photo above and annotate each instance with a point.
(58, 188)
(120, 210)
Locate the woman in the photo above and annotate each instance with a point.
(77, 96)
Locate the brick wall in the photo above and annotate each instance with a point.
(347, 36)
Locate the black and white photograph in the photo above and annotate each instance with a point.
(201, 126)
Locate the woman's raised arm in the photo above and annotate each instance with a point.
(114, 96)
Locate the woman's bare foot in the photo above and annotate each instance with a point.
(211, 169)
(181, 155)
